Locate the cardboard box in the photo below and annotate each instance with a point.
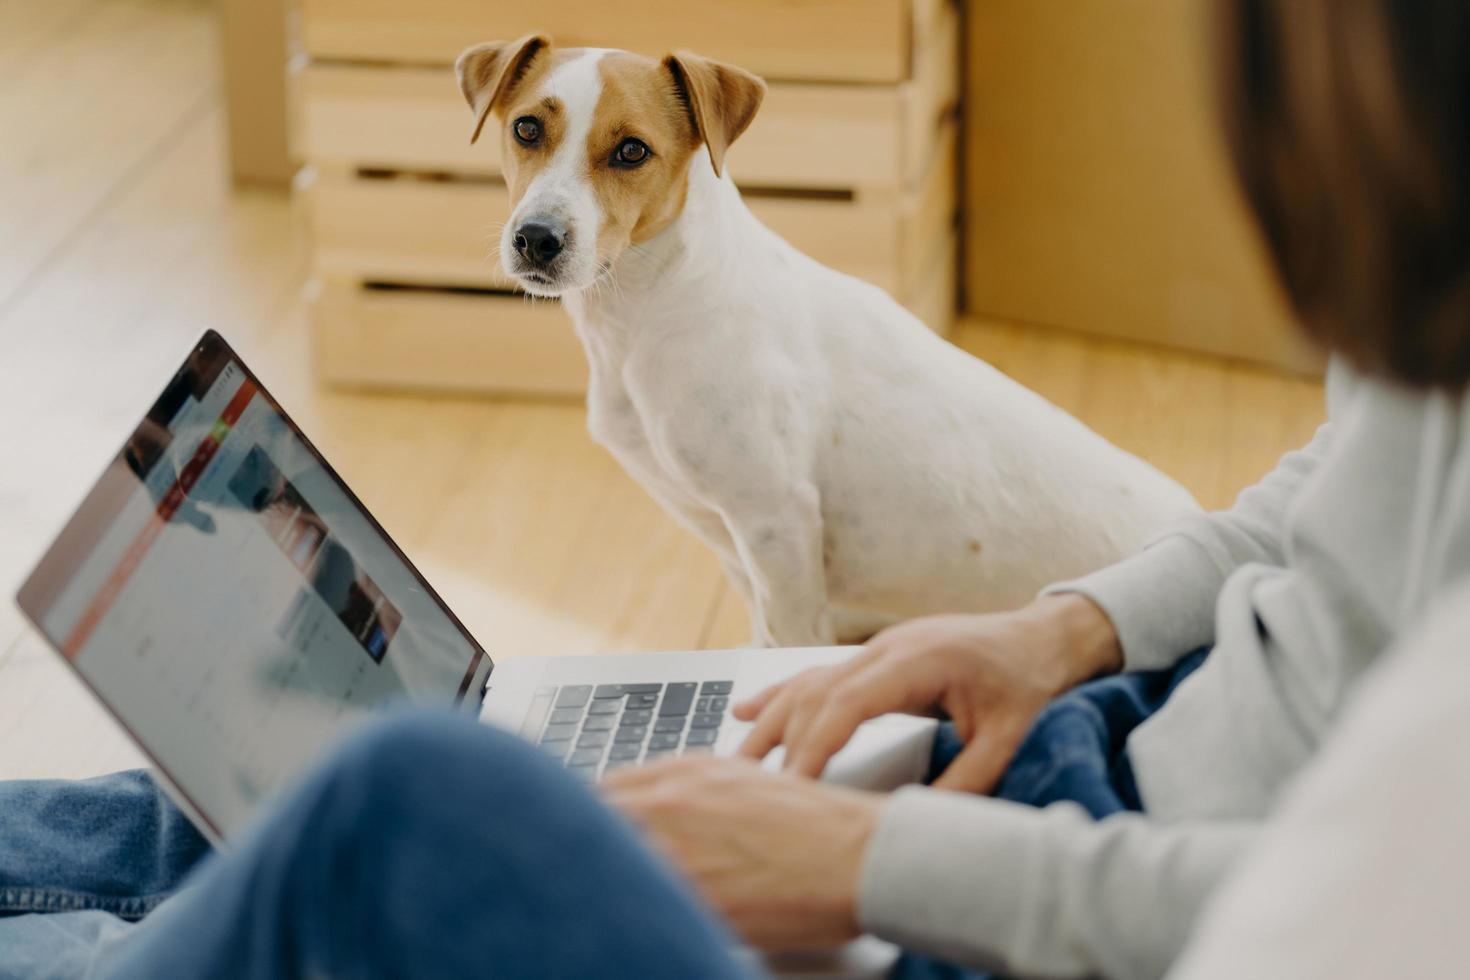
(1098, 193)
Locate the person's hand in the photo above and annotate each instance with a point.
(779, 857)
(990, 674)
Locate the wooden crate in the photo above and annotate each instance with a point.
(398, 227)
(404, 213)
(814, 40)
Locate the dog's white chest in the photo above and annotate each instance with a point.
(616, 424)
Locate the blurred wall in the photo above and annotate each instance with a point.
(1098, 196)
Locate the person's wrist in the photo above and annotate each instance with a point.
(1079, 639)
(860, 826)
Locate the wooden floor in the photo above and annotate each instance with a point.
(120, 240)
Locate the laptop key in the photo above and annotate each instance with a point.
(633, 733)
(706, 721)
(608, 691)
(574, 695)
(585, 757)
(623, 752)
(605, 707)
(642, 700)
(557, 733)
(702, 736)
(598, 723)
(716, 687)
(678, 699)
(566, 716)
(618, 764)
(643, 688)
(586, 774)
(675, 725)
(718, 704)
(593, 740)
(663, 740)
(637, 716)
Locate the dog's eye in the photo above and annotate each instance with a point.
(630, 153)
(527, 130)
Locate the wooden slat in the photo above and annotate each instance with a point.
(255, 49)
(443, 341)
(425, 339)
(934, 93)
(814, 40)
(406, 229)
(806, 136)
(931, 215)
(934, 299)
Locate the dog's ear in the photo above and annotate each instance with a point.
(722, 99)
(489, 72)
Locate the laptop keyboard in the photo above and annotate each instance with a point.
(593, 730)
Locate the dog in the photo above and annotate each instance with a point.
(849, 467)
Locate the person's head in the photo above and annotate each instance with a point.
(1349, 125)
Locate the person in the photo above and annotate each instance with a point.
(1135, 729)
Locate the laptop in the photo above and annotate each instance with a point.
(236, 608)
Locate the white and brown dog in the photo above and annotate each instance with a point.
(849, 467)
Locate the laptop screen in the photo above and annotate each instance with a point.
(231, 601)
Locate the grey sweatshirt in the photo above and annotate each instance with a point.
(1299, 587)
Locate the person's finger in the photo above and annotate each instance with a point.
(750, 708)
(804, 709)
(867, 694)
(638, 777)
(773, 723)
(770, 727)
(979, 765)
(807, 708)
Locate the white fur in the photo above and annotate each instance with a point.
(843, 461)
(561, 190)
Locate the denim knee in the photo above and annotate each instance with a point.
(421, 747)
(425, 755)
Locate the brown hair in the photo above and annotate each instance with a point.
(1349, 125)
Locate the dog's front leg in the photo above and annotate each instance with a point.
(779, 541)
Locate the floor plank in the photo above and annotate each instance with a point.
(136, 72)
(1216, 426)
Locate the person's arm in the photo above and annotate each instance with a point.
(1162, 600)
(1039, 893)
(1365, 870)
(990, 674)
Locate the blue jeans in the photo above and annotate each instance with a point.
(1076, 751)
(430, 847)
(381, 865)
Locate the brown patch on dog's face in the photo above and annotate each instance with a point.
(638, 152)
(520, 161)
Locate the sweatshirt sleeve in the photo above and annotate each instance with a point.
(1039, 893)
(1162, 600)
(1363, 870)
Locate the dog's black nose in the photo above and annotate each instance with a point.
(539, 242)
